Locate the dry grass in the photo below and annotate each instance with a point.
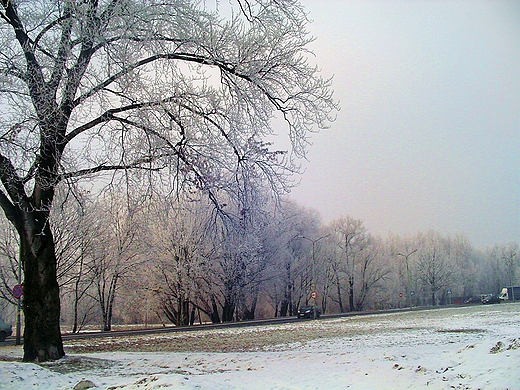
(244, 339)
(461, 330)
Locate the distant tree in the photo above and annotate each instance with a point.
(75, 228)
(510, 257)
(9, 262)
(114, 86)
(373, 269)
(351, 238)
(494, 274)
(293, 270)
(464, 266)
(117, 253)
(178, 242)
(403, 251)
(433, 267)
(241, 260)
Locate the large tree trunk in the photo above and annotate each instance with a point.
(284, 308)
(228, 310)
(41, 301)
(287, 293)
(184, 316)
(215, 318)
(249, 312)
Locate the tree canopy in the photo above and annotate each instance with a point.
(92, 86)
(112, 86)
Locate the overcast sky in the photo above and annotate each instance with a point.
(428, 135)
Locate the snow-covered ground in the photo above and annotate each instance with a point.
(474, 347)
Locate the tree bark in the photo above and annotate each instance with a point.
(351, 293)
(41, 301)
(215, 318)
(228, 309)
(249, 313)
(338, 289)
(284, 307)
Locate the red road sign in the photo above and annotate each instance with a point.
(400, 295)
(314, 294)
(17, 291)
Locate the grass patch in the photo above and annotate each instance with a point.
(73, 364)
(461, 330)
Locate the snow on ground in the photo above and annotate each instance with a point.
(474, 347)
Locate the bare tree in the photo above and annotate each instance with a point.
(122, 85)
(352, 238)
(510, 257)
(9, 262)
(464, 266)
(241, 261)
(177, 242)
(293, 270)
(75, 227)
(117, 253)
(372, 270)
(433, 266)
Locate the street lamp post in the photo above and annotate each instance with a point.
(313, 242)
(408, 275)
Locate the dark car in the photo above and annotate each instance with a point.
(491, 299)
(308, 312)
(6, 330)
(473, 300)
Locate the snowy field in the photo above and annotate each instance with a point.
(474, 347)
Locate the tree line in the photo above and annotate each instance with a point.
(165, 260)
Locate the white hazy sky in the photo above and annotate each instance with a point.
(428, 135)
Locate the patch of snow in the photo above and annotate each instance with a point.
(457, 348)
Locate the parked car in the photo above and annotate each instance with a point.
(473, 300)
(491, 299)
(6, 330)
(308, 312)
